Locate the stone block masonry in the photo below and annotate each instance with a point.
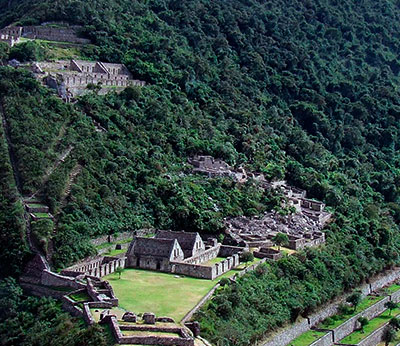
(326, 340)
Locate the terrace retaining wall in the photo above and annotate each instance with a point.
(326, 340)
(381, 281)
(352, 324)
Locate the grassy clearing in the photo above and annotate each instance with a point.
(374, 324)
(393, 288)
(307, 338)
(42, 215)
(36, 205)
(285, 250)
(80, 297)
(213, 261)
(115, 252)
(339, 319)
(148, 333)
(164, 294)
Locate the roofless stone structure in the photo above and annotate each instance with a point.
(72, 78)
(181, 253)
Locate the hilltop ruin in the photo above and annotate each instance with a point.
(72, 78)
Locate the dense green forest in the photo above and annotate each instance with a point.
(305, 90)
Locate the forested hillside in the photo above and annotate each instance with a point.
(305, 90)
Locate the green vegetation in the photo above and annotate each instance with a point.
(30, 321)
(393, 288)
(307, 338)
(301, 90)
(355, 337)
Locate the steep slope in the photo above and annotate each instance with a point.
(301, 89)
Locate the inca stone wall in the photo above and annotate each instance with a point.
(326, 340)
(288, 334)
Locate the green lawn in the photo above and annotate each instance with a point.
(213, 261)
(375, 323)
(162, 293)
(42, 215)
(307, 338)
(339, 319)
(36, 205)
(115, 252)
(149, 333)
(393, 288)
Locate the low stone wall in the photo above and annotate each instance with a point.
(205, 256)
(227, 250)
(205, 272)
(326, 340)
(87, 316)
(189, 315)
(384, 279)
(286, 335)
(69, 305)
(395, 296)
(98, 266)
(183, 340)
(42, 291)
(195, 270)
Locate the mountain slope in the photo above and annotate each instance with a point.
(306, 90)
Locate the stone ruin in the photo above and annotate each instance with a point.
(212, 167)
(181, 253)
(302, 231)
(71, 78)
(65, 33)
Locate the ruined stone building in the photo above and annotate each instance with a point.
(258, 232)
(64, 33)
(181, 253)
(71, 78)
(50, 33)
(11, 35)
(216, 168)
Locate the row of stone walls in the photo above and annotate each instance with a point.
(374, 338)
(352, 324)
(379, 282)
(205, 256)
(121, 236)
(107, 268)
(205, 272)
(82, 80)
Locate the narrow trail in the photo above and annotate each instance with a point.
(72, 176)
(51, 169)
